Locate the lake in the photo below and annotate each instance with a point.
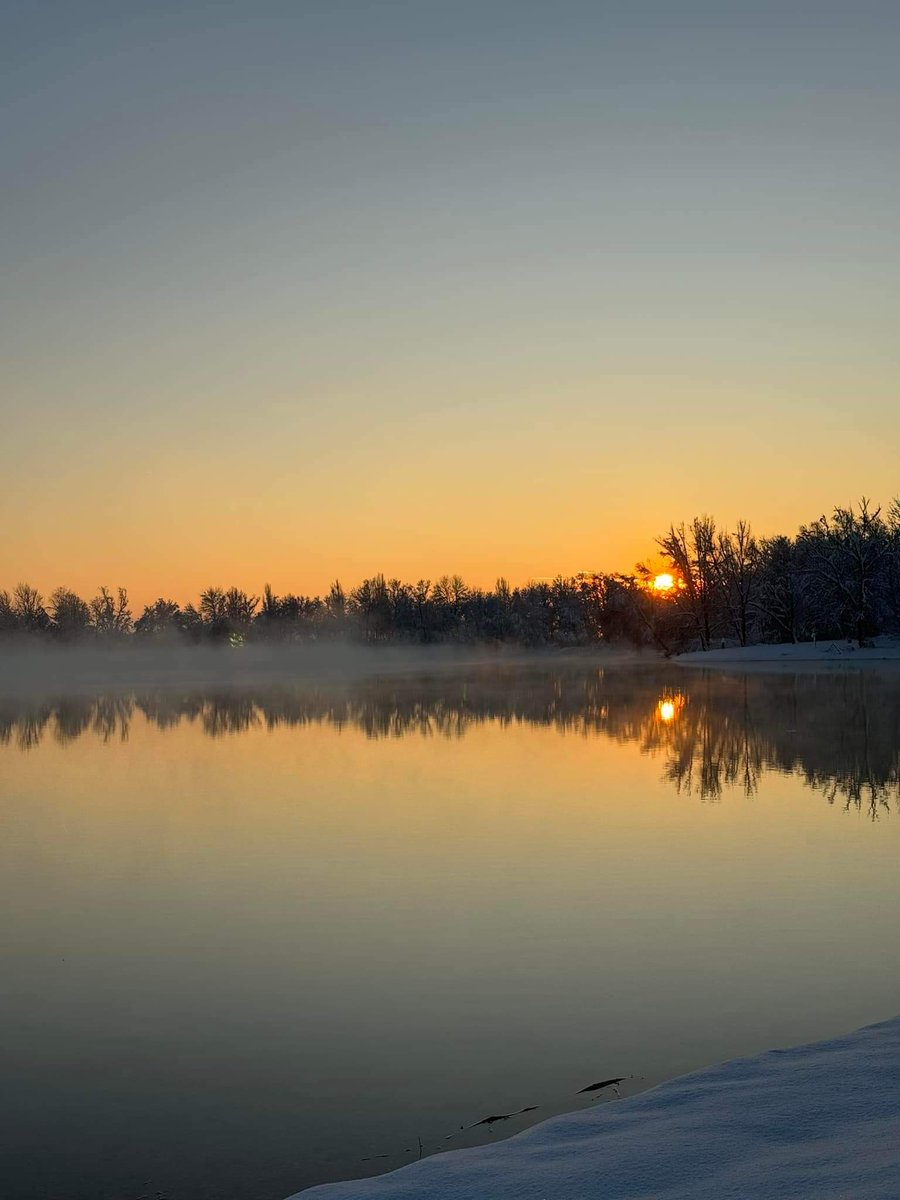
(257, 938)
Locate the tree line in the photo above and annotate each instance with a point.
(838, 577)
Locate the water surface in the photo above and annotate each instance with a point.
(254, 938)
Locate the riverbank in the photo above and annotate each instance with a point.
(796, 655)
(816, 1122)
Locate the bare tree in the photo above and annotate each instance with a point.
(422, 605)
(270, 609)
(735, 563)
(781, 590)
(111, 616)
(892, 566)
(336, 607)
(691, 552)
(371, 603)
(847, 556)
(239, 607)
(212, 606)
(69, 614)
(8, 619)
(160, 618)
(28, 607)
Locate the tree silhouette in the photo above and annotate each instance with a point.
(28, 609)
(111, 616)
(69, 614)
(839, 577)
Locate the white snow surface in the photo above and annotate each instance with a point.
(796, 654)
(817, 1122)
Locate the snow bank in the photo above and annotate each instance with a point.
(828, 653)
(816, 1122)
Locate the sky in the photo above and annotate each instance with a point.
(303, 290)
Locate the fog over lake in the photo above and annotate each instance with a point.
(262, 936)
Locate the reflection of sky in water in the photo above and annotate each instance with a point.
(839, 731)
(254, 938)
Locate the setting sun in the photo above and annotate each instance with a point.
(663, 583)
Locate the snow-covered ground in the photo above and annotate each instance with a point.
(817, 1122)
(789, 654)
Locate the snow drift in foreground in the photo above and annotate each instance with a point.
(814, 1123)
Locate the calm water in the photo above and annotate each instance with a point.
(253, 938)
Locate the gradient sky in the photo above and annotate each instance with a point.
(311, 289)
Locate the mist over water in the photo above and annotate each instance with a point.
(265, 934)
(40, 669)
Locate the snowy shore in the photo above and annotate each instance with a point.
(796, 655)
(817, 1122)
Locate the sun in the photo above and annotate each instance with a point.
(663, 583)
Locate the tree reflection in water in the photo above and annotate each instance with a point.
(714, 732)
